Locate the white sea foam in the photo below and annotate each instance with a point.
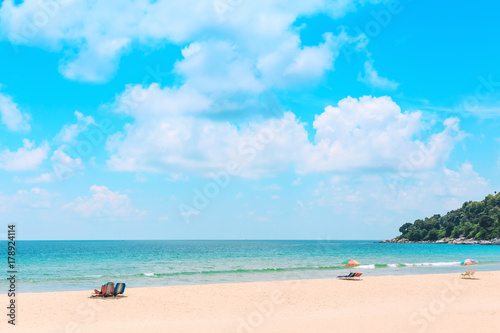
(367, 266)
(454, 263)
(149, 274)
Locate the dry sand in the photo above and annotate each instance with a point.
(419, 303)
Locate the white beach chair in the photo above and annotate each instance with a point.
(472, 273)
(466, 274)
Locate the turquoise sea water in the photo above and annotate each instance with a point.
(84, 265)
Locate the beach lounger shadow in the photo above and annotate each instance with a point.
(353, 276)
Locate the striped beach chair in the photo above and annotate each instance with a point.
(110, 288)
(106, 290)
(119, 289)
(350, 276)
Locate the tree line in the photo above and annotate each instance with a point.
(475, 219)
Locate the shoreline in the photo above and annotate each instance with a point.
(463, 268)
(404, 303)
(345, 271)
(368, 272)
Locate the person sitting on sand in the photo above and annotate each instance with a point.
(100, 292)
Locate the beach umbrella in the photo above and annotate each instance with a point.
(468, 262)
(351, 263)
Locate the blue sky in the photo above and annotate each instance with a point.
(244, 120)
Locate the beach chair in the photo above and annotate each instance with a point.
(466, 274)
(351, 275)
(472, 273)
(103, 289)
(110, 288)
(119, 289)
(358, 275)
(106, 290)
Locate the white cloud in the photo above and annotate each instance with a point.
(25, 158)
(226, 75)
(217, 66)
(69, 132)
(84, 67)
(163, 218)
(461, 183)
(396, 199)
(188, 144)
(143, 103)
(289, 63)
(104, 203)
(368, 133)
(175, 177)
(373, 133)
(94, 38)
(43, 178)
(372, 78)
(22, 200)
(12, 117)
(64, 166)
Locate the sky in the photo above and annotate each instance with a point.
(236, 119)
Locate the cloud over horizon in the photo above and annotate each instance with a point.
(369, 133)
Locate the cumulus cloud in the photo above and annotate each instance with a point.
(94, 38)
(34, 198)
(43, 178)
(25, 158)
(373, 133)
(373, 79)
(288, 63)
(369, 133)
(104, 203)
(143, 103)
(84, 67)
(64, 166)
(217, 66)
(226, 76)
(182, 144)
(69, 133)
(377, 199)
(11, 115)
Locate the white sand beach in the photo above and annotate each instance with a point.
(418, 303)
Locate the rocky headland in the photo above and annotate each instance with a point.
(447, 240)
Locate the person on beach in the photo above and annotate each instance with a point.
(97, 292)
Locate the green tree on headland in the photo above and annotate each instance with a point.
(478, 220)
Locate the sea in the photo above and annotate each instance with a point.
(44, 266)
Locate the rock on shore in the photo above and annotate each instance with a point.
(447, 240)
